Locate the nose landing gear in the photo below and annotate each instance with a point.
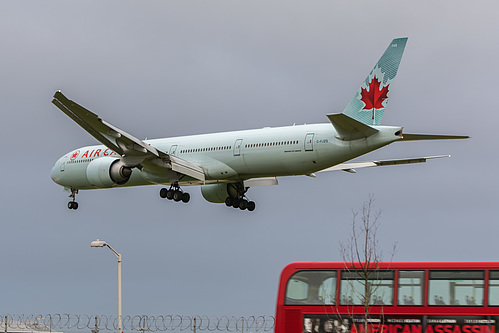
(73, 204)
(175, 193)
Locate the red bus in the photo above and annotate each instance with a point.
(407, 297)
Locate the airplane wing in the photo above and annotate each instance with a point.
(132, 150)
(352, 166)
(109, 135)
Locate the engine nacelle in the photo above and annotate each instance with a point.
(216, 193)
(108, 172)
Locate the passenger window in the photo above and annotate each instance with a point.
(494, 288)
(456, 288)
(327, 290)
(411, 288)
(380, 284)
(297, 290)
(311, 288)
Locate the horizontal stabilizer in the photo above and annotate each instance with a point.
(350, 167)
(415, 137)
(349, 128)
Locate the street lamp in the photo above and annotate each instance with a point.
(99, 243)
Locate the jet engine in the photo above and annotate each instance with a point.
(108, 172)
(216, 193)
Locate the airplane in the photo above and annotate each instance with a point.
(227, 164)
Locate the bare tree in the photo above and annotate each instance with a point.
(362, 255)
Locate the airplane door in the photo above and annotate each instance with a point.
(237, 147)
(63, 163)
(173, 150)
(309, 142)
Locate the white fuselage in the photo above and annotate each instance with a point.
(234, 156)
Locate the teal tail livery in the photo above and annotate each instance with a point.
(369, 102)
(226, 164)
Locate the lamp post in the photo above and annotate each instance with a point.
(99, 243)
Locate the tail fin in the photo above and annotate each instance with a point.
(369, 102)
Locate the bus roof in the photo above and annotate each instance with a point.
(292, 267)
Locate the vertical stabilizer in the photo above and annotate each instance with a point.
(369, 102)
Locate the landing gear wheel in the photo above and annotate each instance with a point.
(243, 204)
(163, 193)
(73, 205)
(169, 194)
(251, 206)
(177, 196)
(186, 197)
(229, 201)
(235, 202)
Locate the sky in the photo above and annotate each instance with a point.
(169, 68)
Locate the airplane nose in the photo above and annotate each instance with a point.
(55, 173)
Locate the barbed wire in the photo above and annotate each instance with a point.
(144, 323)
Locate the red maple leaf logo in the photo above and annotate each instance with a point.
(374, 98)
(75, 155)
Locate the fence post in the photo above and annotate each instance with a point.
(194, 330)
(5, 324)
(96, 330)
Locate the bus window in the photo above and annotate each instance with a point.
(411, 288)
(297, 291)
(456, 288)
(494, 288)
(311, 288)
(353, 285)
(327, 290)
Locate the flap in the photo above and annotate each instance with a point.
(268, 181)
(186, 168)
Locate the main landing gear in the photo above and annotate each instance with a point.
(241, 203)
(237, 198)
(73, 204)
(175, 193)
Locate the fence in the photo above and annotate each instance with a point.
(162, 323)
